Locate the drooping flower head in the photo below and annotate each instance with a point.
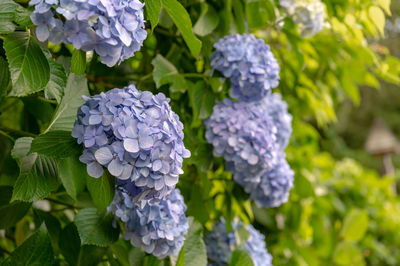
(250, 65)
(220, 244)
(270, 188)
(159, 228)
(135, 135)
(309, 15)
(113, 28)
(278, 111)
(244, 133)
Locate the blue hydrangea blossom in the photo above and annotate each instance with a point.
(113, 28)
(271, 187)
(135, 135)
(278, 111)
(309, 15)
(250, 65)
(159, 228)
(244, 134)
(220, 244)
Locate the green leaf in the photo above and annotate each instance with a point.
(196, 206)
(385, 4)
(101, 189)
(29, 68)
(56, 144)
(4, 78)
(121, 252)
(182, 21)
(207, 22)
(153, 10)
(22, 16)
(78, 62)
(240, 257)
(194, 250)
(136, 256)
(95, 229)
(58, 79)
(11, 212)
(74, 253)
(347, 254)
(36, 183)
(36, 250)
(202, 99)
(164, 72)
(52, 224)
(355, 225)
(65, 115)
(7, 15)
(258, 12)
(378, 18)
(73, 175)
(38, 174)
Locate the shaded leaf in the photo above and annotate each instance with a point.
(29, 68)
(58, 79)
(73, 175)
(11, 213)
(56, 144)
(207, 22)
(78, 62)
(95, 229)
(153, 10)
(101, 190)
(164, 72)
(65, 115)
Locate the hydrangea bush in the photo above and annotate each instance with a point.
(96, 171)
(113, 28)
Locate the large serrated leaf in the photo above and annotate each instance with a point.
(182, 21)
(7, 15)
(73, 175)
(101, 190)
(193, 252)
(56, 144)
(30, 71)
(65, 115)
(36, 250)
(95, 229)
(58, 79)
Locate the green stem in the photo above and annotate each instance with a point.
(62, 203)
(7, 136)
(194, 75)
(46, 100)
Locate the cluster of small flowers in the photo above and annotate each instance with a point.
(220, 244)
(113, 28)
(249, 64)
(159, 228)
(139, 139)
(252, 133)
(309, 15)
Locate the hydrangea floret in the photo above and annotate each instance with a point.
(159, 228)
(220, 244)
(309, 15)
(250, 65)
(135, 135)
(113, 28)
(271, 187)
(244, 134)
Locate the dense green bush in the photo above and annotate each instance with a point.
(338, 213)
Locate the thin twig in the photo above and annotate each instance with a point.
(7, 136)
(62, 203)
(46, 100)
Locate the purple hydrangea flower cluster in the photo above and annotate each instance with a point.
(159, 227)
(135, 135)
(250, 65)
(113, 28)
(309, 15)
(220, 244)
(270, 188)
